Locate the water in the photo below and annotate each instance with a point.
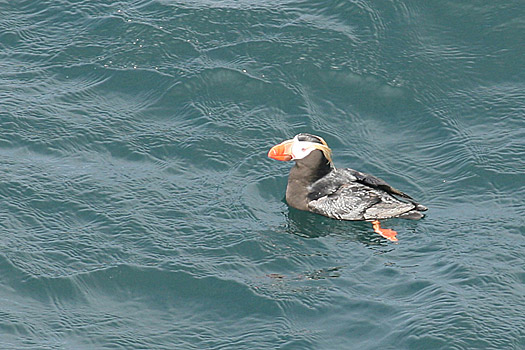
(138, 209)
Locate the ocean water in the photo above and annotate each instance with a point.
(138, 209)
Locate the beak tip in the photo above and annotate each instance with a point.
(275, 154)
(281, 151)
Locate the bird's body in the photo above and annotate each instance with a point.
(340, 195)
(315, 185)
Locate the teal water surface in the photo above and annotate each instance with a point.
(138, 209)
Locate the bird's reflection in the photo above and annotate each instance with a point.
(309, 225)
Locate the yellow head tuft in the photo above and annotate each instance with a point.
(327, 152)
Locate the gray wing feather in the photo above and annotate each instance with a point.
(374, 181)
(347, 194)
(349, 202)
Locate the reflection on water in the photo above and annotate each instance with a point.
(309, 225)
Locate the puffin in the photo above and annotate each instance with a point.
(317, 186)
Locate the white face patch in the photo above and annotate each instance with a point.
(301, 149)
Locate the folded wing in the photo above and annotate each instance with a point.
(347, 194)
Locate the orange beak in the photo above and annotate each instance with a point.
(282, 151)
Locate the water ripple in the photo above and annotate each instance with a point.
(139, 208)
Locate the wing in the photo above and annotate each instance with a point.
(375, 182)
(330, 184)
(349, 202)
(347, 194)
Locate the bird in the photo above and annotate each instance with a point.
(317, 186)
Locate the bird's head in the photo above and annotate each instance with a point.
(300, 147)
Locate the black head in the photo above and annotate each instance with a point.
(310, 138)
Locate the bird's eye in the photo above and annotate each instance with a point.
(303, 149)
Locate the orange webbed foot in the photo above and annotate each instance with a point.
(384, 232)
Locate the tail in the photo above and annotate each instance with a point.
(414, 214)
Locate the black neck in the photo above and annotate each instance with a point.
(312, 167)
(304, 173)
